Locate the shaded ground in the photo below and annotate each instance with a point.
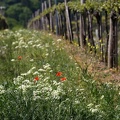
(96, 68)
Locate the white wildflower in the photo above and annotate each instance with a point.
(77, 67)
(31, 60)
(53, 43)
(16, 47)
(51, 71)
(41, 70)
(46, 54)
(46, 45)
(21, 38)
(47, 78)
(55, 94)
(25, 46)
(29, 71)
(26, 82)
(47, 66)
(1, 87)
(16, 42)
(30, 42)
(102, 97)
(36, 98)
(2, 91)
(23, 74)
(94, 110)
(24, 87)
(38, 46)
(36, 73)
(34, 46)
(33, 68)
(46, 89)
(35, 93)
(76, 64)
(90, 105)
(12, 60)
(77, 102)
(37, 41)
(55, 83)
(81, 89)
(17, 80)
(59, 40)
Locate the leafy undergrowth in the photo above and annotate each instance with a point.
(41, 81)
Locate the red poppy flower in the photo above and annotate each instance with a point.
(36, 78)
(58, 73)
(19, 57)
(63, 79)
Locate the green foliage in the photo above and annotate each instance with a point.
(24, 16)
(11, 2)
(25, 3)
(21, 10)
(35, 4)
(93, 5)
(14, 11)
(3, 23)
(30, 89)
(12, 22)
(19, 13)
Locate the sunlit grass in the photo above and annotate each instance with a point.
(40, 81)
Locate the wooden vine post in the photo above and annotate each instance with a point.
(64, 27)
(60, 28)
(98, 16)
(59, 23)
(43, 18)
(113, 41)
(37, 24)
(68, 24)
(56, 18)
(82, 27)
(40, 20)
(107, 37)
(46, 17)
(51, 17)
(77, 27)
(90, 29)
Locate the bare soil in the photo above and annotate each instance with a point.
(96, 68)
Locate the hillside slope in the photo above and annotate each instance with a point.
(42, 78)
(92, 64)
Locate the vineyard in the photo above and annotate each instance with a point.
(41, 81)
(45, 70)
(94, 25)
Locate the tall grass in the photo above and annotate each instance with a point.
(40, 81)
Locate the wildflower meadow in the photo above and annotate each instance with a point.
(39, 80)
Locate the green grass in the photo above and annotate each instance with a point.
(40, 81)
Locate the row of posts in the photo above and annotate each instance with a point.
(60, 23)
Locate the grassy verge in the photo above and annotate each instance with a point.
(39, 81)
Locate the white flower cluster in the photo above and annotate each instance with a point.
(44, 88)
(29, 44)
(93, 108)
(2, 89)
(3, 50)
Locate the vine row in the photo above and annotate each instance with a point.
(86, 18)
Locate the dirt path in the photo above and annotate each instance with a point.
(96, 68)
